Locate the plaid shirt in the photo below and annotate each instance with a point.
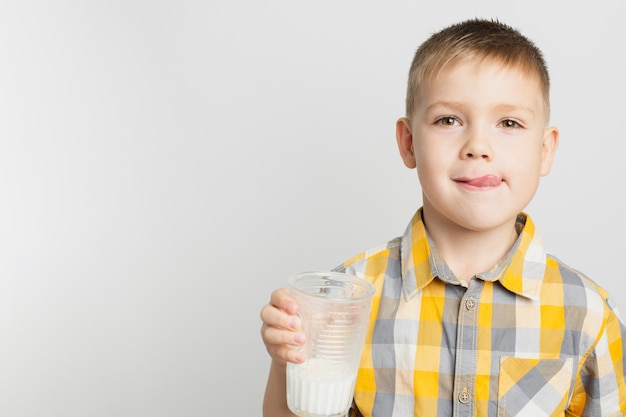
(530, 337)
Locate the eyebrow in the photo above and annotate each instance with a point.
(449, 104)
(505, 108)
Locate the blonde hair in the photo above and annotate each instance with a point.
(476, 39)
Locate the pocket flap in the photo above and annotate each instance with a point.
(533, 387)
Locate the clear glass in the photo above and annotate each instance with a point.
(334, 308)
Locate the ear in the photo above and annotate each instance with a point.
(548, 148)
(404, 136)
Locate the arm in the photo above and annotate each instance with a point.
(280, 330)
(275, 400)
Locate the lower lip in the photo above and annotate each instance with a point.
(470, 187)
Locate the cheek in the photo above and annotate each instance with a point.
(431, 170)
(432, 155)
(523, 158)
(523, 176)
(424, 162)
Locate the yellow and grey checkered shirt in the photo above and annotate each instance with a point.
(530, 337)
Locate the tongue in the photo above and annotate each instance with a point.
(485, 181)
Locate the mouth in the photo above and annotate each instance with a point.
(485, 182)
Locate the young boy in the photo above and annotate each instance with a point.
(471, 316)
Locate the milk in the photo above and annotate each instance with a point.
(317, 389)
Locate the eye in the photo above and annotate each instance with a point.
(509, 123)
(447, 121)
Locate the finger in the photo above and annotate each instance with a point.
(282, 300)
(284, 354)
(275, 336)
(283, 345)
(274, 317)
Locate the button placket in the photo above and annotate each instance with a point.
(466, 342)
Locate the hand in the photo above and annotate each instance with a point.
(282, 328)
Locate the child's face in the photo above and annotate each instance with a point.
(479, 142)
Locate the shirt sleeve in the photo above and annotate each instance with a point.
(601, 387)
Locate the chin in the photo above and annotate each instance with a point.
(485, 221)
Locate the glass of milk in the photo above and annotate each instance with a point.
(334, 308)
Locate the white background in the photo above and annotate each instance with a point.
(164, 165)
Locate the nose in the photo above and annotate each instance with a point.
(477, 145)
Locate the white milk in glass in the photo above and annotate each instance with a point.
(316, 389)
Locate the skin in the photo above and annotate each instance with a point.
(479, 142)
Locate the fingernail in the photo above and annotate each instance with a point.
(300, 357)
(298, 338)
(294, 322)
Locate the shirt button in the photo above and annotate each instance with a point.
(470, 304)
(464, 396)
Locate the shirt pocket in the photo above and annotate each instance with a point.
(533, 387)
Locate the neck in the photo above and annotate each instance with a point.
(469, 252)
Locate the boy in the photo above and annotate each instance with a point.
(471, 317)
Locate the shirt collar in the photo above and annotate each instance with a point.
(520, 271)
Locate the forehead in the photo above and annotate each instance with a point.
(480, 79)
(479, 65)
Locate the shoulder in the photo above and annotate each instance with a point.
(584, 300)
(576, 285)
(375, 258)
